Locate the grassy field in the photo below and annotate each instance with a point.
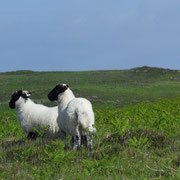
(137, 119)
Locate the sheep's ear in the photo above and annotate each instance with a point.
(52, 97)
(12, 104)
(14, 98)
(67, 85)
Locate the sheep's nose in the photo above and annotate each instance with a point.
(29, 93)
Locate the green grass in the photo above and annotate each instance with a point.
(137, 120)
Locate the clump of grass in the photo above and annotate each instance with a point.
(140, 138)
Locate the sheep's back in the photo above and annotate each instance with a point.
(31, 115)
(81, 110)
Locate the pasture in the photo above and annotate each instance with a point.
(137, 114)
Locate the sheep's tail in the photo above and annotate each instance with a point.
(92, 129)
(86, 120)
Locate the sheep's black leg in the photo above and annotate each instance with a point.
(77, 142)
(87, 140)
(63, 137)
(76, 139)
(72, 142)
(32, 135)
(84, 140)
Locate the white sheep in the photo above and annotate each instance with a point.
(75, 116)
(31, 115)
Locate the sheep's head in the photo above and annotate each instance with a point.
(15, 97)
(60, 88)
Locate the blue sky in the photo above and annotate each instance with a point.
(44, 35)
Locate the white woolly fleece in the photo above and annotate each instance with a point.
(74, 113)
(30, 115)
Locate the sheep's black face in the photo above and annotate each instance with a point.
(15, 96)
(60, 88)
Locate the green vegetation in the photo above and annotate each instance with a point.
(137, 119)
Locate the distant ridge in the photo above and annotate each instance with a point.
(146, 69)
(18, 72)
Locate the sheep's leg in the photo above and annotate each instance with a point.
(76, 139)
(77, 142)
(83, 140)
(83, 136)
(87, 140)
(72, 142)
(63, 137)
(32, 135)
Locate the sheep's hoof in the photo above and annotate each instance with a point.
(32, 136)
(76, 147)
(89, 148)
(66, 147)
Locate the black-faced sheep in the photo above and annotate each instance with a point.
(75, 116)
(31, 115)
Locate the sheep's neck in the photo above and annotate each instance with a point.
(64, 99)
(21, 103)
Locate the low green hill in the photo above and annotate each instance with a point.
(112, 89)
(137, 117)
